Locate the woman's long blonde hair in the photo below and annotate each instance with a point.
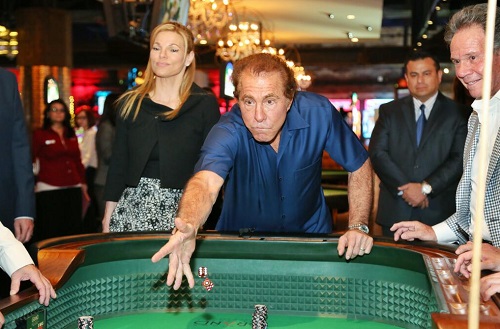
(136, 95)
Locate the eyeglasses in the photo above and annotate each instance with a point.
(55, 109)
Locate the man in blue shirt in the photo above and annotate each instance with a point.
(267, 151)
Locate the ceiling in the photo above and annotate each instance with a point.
(309, 22)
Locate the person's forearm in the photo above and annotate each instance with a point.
(108, 211)
(198, 199)
(360, 194)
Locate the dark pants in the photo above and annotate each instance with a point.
(58, 213)
(91, 221)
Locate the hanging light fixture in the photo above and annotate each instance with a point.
(8, 42)
(242, 39)
(292, 58)
(208, 20)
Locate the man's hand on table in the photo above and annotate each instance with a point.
(179, 247)
(356, 242)
(490, 258)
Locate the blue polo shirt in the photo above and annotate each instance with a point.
(280, 192)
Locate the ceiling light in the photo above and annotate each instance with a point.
(350, 35)
(429, 22)
(369, 28)
(424, 36)
(419, 44)
(351, 17)
(354, 39)
(446, 70)
(438, 8)
(331, 16)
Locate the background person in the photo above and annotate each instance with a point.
(465, 33)
(159, 133)
(418, 179)
(267, 152)
(104, 139)
(17, 263)
(85, 125)
(60, 183)
(17, 198)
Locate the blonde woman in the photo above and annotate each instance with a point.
(160, 129)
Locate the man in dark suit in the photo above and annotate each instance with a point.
(417, 147)
(17, 198)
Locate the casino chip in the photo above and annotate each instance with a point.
(86, 322)
(259, 318)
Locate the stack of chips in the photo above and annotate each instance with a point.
(86, 322)
(203, 273)
(259, 318)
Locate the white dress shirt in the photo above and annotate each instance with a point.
(13, 255)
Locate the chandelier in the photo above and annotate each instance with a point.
(8, 42)
(208, 20)
(303, 80)
(241, 40)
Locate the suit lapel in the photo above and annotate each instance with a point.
(408, 113)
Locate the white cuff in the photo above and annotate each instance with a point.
(444, 233)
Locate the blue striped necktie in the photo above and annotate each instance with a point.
(421, 123)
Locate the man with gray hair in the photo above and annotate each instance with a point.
(466, 35)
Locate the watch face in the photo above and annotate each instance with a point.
(427, 188)
(364, 228)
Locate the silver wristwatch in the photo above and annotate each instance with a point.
(426, 188)
(362, 227)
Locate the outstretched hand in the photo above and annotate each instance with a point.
(180, 248)
(411, 230)
(356, 242)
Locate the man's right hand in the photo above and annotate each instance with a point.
(31, 273)
(490, 258)
(180, 248)
(411, 230)
(23, 229)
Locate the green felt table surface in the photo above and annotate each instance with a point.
(190, 320)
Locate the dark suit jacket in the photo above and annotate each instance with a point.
(17, 197)
(397, 160)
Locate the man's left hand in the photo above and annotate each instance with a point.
(356, 242)
(412, 194)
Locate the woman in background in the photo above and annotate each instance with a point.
(104, 146)
(160, 129)
(86, 132)
(60, 181)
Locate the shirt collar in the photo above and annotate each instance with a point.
(428, 103)
(293, 119)
(477, 105)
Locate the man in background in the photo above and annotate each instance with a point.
(417, 147)
(17, 199)
(466, 35)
